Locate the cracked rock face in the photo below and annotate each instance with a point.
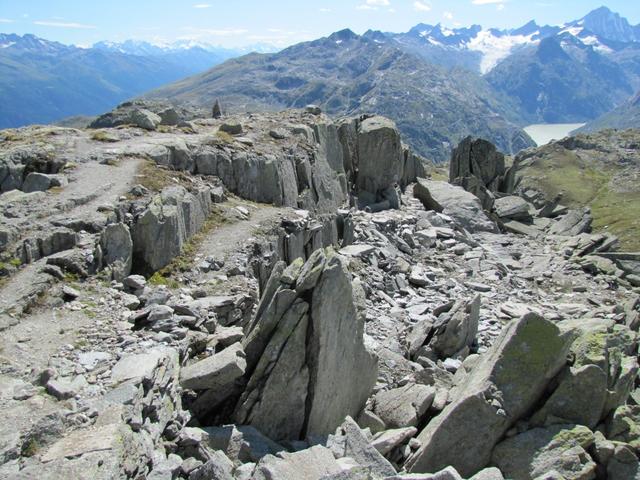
(496, 395)
(308, 364)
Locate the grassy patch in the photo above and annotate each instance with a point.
(30, 448)
(102, 136)
(585, 184)
(150, 176)
(618, 213)
(566, 172)
(220, 138)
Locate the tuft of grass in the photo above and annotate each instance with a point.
(158, 279)
(71, 278)
(152, 177)
(30, 448)
(619, 214)
(16, 262)
(103, 136)
(220, 138)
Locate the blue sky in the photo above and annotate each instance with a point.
(245, 22)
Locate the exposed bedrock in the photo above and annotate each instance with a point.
(361, 157)
(307, 365)
(496, 394)
(171, 218)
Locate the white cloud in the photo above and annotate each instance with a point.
(5, 20)
(324, 10)
(487, 2)
(447, 16)
(46, 23)
(373, 4)
(202, 5)
(421, 6)
(500, 6)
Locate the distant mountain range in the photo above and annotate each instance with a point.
(43, 81)
(556, 74)
(438, 84)
(441, 84)
(349, 74)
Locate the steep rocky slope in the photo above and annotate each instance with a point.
(562, 80)
(159, 326)
(347, 74)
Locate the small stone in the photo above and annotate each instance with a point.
(69, 294)
(135, 282)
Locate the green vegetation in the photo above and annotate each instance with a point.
(30, 448)
(585, 183)
(618, 213)
(150, 176)
(102, 136)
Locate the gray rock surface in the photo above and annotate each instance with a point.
(302, 350)
(454, 201)
(217, 372)
(315, 462)
(478, 158)
(404, 406)
(499, 390)
(166, 225)
(561, 448)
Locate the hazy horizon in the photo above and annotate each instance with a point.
(280, 23)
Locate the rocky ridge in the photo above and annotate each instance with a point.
(430, 333)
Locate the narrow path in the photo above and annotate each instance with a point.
(227, 238)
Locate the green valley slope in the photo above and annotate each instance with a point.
(600, 170)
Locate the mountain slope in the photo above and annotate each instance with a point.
(346, 74)
(625, 116)
(596, 170)
(610, 25)
(561, 80)
(43, 81)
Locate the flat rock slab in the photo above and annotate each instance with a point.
(84, 441)
(454, 201)
(217, 371)
(136, 366)
(315, 462)
(357, 250)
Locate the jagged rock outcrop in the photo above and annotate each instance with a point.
(307, 364)
(117, 250)
(144, 114)
(17, 163)
(478, 158)
(495, 395)
(478, 167)
(171, 218)
(375, 160)
(536, 452)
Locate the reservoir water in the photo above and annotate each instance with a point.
(544, 133)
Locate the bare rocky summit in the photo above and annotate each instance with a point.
(282, 296)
